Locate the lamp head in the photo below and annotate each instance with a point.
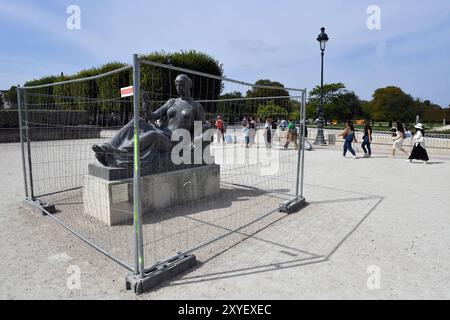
(323, 39)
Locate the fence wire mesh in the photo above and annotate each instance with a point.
(60, 123)
(258, 169)
(73, 131)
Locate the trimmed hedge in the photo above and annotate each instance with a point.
(10, 118)
(51, 134)
(158, 82)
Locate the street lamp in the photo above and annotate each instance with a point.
(320, 139)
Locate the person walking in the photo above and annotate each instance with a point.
(367, 140)
(292, 135)
(398, 140)
(393, 131)
(220, 130)
(246, 135)
(268, 133)
(419, 152)
(408, 133)
(349, 137)
(252, 127)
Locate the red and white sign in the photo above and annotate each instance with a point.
(126, 92)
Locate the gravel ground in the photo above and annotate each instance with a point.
(369, 212)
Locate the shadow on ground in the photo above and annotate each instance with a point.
(329, 214)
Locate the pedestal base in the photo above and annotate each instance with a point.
(112, 201)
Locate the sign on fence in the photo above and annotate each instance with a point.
(126, 92)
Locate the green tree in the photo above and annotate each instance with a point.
(1, 101)
(392, 104)
(271, 110)
(231, 106)
(346, 106)
(338, 102)
(432, 113)
(11, 96)
(330, 93)
(295, 116)
(264, 96)
(159, 81)
(366, 109)
(294, 106)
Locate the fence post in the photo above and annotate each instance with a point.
(27, 130)
(303, 116)
(22, 146)
(297, 191)
(139, 250)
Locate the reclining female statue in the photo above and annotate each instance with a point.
(155, 142)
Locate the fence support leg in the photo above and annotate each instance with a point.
(296, 204)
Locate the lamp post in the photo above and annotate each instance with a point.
(320, 139)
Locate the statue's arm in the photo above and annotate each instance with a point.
(200, 113)
(161, 112)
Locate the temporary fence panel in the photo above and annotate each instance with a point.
(60, 123)
(258, 169)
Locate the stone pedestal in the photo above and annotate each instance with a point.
(112, 201)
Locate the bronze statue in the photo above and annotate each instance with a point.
(155, 142)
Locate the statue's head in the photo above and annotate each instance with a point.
(183, 84)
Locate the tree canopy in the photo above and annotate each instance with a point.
(392, 104)
(338, 103)
(11, 96)
(271, 110)
(274, 95)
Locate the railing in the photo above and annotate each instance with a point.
(437, 143)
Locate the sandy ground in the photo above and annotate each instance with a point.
(368, 214)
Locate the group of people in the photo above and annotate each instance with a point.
(249, 132)
(398, 137)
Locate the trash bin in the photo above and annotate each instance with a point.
(332, 139)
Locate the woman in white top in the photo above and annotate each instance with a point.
(419, 152)
(398, 140)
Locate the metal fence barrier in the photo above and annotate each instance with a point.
(150, 212)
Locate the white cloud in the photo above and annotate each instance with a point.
(252, 46)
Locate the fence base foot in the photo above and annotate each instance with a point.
(40, 207)
(293, 206)
(159, 274)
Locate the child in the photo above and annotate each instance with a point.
(246, 134)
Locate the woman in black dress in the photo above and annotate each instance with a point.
(419, 152)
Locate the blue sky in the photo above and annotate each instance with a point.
(253, 39)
